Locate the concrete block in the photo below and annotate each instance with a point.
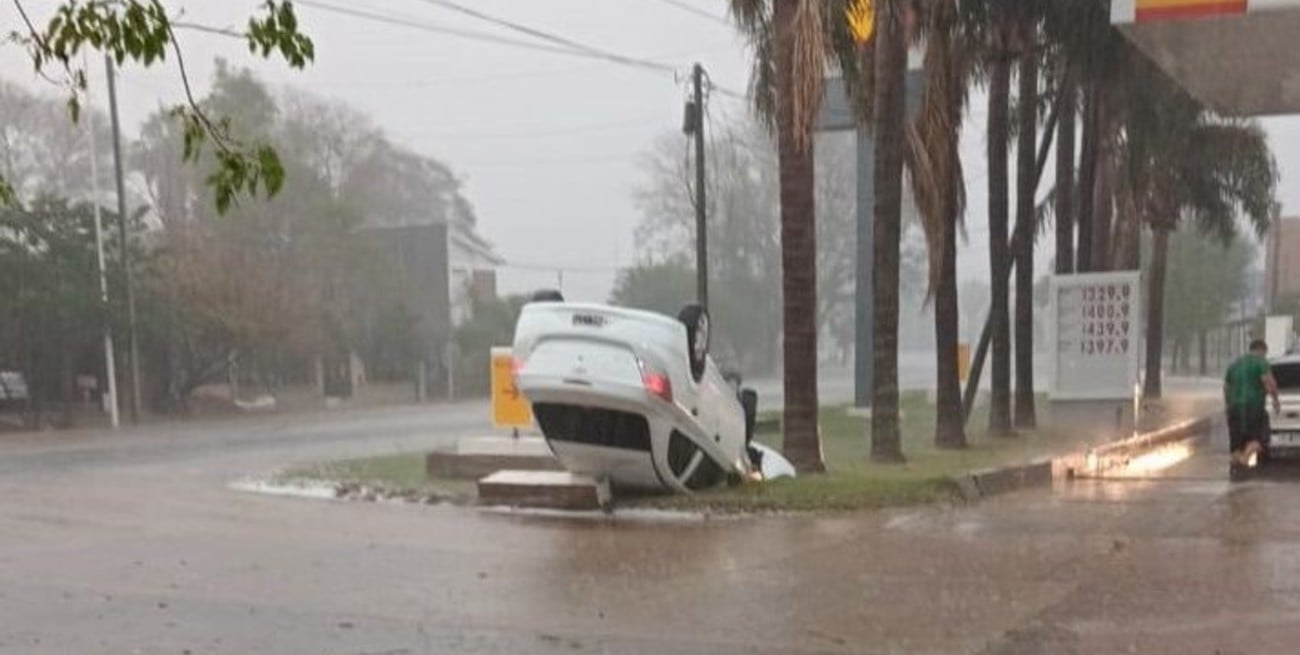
(1118, 453)
(969, 490)
(544, 489)
(475, 457)
(1013, 478)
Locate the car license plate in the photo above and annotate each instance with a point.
(1286, 439)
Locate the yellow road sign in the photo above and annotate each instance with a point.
(509, 407)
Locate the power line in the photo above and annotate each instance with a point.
(564, 46)
(697, 11)
(556, 161)
(472, 35)
(545, 268)
(554, 38)
(561, 131)
(208, 29)
(463, 80)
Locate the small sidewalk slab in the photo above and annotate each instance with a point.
(544, 489)
(1000, 480)
(475, 457)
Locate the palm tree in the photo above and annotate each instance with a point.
(790, 49)
(1026, 187)
(890, 68)
(1064, 192)
(999, 128)
(1093, 54)
(1180, 162)
(932, 157)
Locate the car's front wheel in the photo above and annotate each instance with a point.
(696, 320)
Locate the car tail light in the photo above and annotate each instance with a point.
(657, 384)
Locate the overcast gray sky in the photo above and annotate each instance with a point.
(546, 143)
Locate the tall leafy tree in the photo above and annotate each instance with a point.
(50, 307)
(1181, 163)
(143, 32)
(1205, 279)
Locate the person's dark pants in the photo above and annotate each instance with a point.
(1247, 424)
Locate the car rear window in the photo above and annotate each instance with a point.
(593, 426)
(1287, 375)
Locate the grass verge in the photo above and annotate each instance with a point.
(852, 481)
(389, 476)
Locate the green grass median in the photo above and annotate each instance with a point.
(852, 480)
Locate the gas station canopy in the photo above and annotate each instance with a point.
(1239, 57)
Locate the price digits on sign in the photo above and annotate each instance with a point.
(1106, 326)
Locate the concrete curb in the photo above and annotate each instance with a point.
(991, 482)
(1042, 472)
(472, 467)
(1125, 449)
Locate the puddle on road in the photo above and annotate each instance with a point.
(315, 490)
(637, 515)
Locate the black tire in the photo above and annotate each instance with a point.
(548, 295)
(1238, 473)
(696, 320)
(749, 404)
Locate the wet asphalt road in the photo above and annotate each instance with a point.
(134, 544)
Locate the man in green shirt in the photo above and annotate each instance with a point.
(1246, 386)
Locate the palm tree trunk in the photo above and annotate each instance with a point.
(1202, 369)
(949, 429)
(1087, 178)
(1065, 178)
(1026, 185)
(802, 442)
(999, 252)
(1103, 252)
(891, 63)
(1156, 311)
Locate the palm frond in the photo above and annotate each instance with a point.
(807, 69)
(753, 19)
(931, 154)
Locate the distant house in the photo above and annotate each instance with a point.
(473, 270)
(442, 267)
(1282, 261)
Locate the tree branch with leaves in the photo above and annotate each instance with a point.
(144, 32)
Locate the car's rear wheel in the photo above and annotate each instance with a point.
(696, 320)
(749, 404)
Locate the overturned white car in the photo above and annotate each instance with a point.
(632, 396)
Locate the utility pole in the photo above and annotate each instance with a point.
(127, 276)
(110, 366)
(694, 126)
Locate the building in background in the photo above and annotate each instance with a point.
(1282, 262)
(439, 268)
(472, 271)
